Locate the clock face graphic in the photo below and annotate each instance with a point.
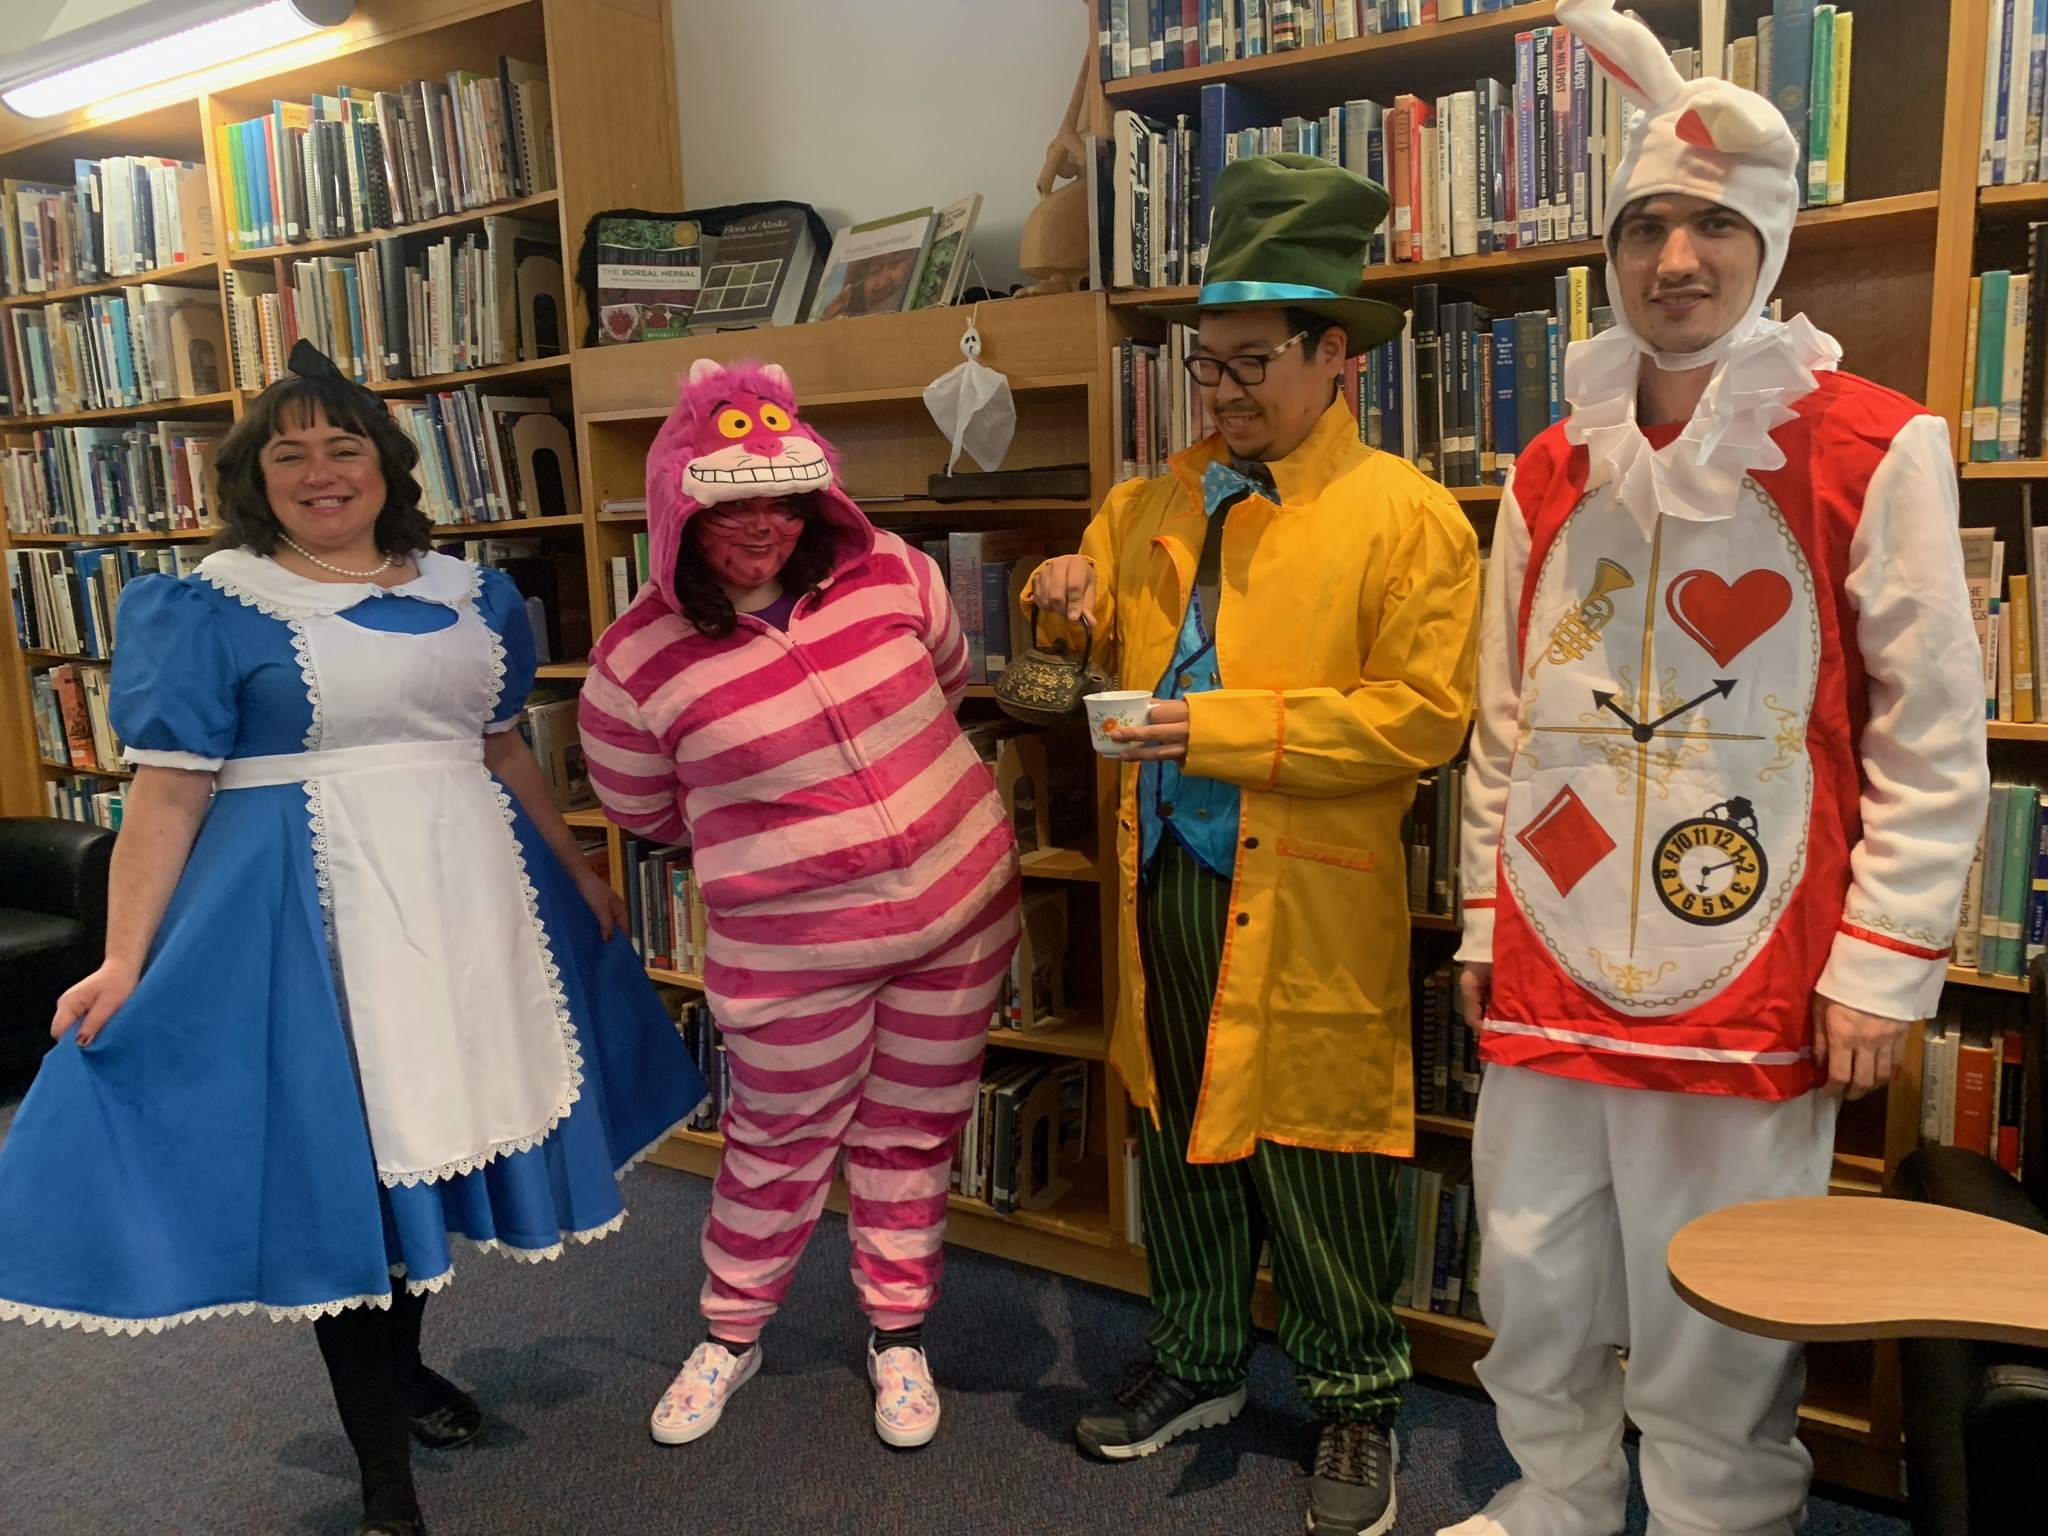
(1710, 869)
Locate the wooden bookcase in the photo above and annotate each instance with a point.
(1887, 273)
(616, 145)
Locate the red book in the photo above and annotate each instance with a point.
(77, 722)
(1422, 115)
(2011, 1092)
(1191, 32)
(1976, 1062)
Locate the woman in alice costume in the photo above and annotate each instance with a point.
(361, 993)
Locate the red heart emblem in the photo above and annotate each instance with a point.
(1725, 618)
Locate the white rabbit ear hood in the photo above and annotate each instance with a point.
(1701, 138)
(1712, 140)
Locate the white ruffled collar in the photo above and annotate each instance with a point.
(1698, 475)
(263, 583)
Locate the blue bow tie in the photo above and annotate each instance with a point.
(1222, 482)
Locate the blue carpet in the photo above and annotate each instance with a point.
(225, 1428)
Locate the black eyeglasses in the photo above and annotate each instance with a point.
(1247, 369)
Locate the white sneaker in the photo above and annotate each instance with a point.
(691, 1406)
(906, 1402)
(1523, 1509)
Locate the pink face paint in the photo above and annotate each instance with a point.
(747, 543)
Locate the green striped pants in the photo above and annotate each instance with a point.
(1328, 1215)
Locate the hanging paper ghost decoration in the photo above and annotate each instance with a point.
(972, 406)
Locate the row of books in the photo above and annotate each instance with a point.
(1459, 393)
(986, 571)
(2015, 49)
(2003, 922)
(65, 600)
(344, 164)
(1429, 832)
(2009, 615)
(665, 905)
(2004, 407)
(1437, 1224)
(120, 216)
(1446, 1052)
(1972, 1090)
(476, 463)
(69, 706)
(706, 1043)
(548, 724)
(115, 350)
(405, 307)
(91, 800)
(1139, 37)
(550, 578)
(149, 477)
(1028, 1126)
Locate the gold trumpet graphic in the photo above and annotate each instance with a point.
(1576, 631)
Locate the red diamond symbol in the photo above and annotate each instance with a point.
(1566, 840)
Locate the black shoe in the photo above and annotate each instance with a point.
(1352, 1492)
(451, 1416)
(392, 1528)
(1147, 1409)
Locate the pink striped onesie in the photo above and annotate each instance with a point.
(858, 871)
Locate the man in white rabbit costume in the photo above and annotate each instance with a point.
(1726, 777)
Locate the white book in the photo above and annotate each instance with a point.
(1431, 201)
(2004, 661)
(1765, 31)
(1714, 38)
(1464, 137)
(1951, 1048)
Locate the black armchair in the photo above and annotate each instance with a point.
(53, 924)
(1976, 1415)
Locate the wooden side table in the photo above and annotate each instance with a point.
(1825, 1268)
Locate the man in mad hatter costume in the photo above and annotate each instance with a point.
(1304, 609)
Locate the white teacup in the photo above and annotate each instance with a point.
(1119, 709)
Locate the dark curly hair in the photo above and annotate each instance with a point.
(246, 521)
(704, 601)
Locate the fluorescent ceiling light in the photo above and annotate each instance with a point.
(157, 41)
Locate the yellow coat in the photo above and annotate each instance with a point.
(1345, 638)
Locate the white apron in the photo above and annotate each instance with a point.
(461, 1032)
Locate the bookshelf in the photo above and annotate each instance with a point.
(600, 99)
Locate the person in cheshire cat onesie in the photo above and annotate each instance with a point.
(780, 695)
(1726, 775)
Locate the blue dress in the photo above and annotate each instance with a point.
(348, 1044)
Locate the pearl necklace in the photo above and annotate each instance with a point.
(304, 553)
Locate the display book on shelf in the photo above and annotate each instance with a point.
(137, 234)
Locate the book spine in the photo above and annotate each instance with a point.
(1820, 94)
(1528, 230)
(1838, 106)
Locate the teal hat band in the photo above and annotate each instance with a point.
(1261, 293)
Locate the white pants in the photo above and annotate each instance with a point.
(1580, 1189)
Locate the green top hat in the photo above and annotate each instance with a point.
(1292, 231)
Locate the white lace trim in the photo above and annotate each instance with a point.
(571, 1049)
(476, 593)
(511, 1251)
(93, 1322)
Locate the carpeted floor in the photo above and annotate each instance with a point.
(225, 1428)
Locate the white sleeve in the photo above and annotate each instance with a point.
(1496, 719)
(1925, 780)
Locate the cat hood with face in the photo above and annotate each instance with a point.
(735, 436)
(1709, 139)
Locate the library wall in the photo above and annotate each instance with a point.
(866, 110)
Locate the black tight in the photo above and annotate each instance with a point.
(373, 1363)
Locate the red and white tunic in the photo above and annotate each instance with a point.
(1730, 739)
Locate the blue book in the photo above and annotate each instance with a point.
(1554, 333)
(358, 343)
(1394, 395)
(1527, 231)
(1376, 173)
(995, 617)
(2037, 900)
(1507, 441)
(1996, 813)
(1792, 61)
(1223, 112)
(124, 350)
